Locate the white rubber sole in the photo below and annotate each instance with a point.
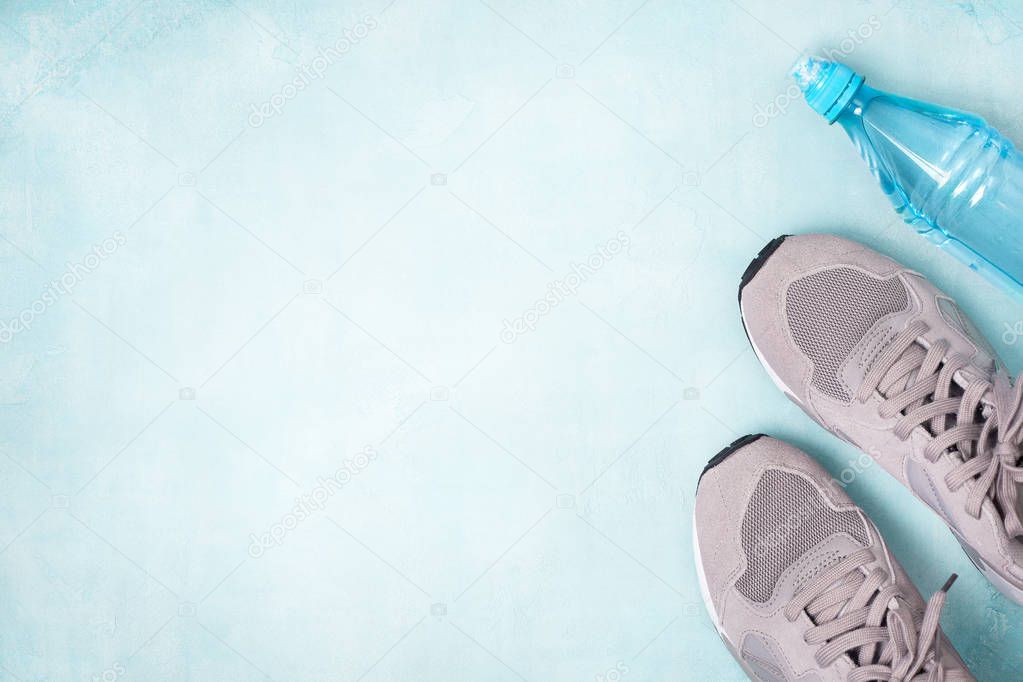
(763, 362)
(709, 604)
(704, 588)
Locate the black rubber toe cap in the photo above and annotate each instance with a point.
(733, 447)
(754, 267)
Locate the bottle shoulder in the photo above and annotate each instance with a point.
(871, 103)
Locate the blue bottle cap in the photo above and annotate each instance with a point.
(827, 86)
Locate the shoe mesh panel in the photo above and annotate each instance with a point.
(830, 311)
(787, 517)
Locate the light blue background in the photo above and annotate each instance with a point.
(337, 278)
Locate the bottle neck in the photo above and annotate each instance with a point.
(850, 118)
(858, 101)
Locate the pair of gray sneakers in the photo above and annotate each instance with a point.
(798, 580)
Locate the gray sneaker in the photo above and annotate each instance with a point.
(799, 582)
(884, 360)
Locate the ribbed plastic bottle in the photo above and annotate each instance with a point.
(949, 174)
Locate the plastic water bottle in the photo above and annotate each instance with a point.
(949, 174)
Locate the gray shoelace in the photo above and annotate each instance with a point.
(862, 612)
(984, 423)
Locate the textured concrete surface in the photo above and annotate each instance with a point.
(361, 341)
